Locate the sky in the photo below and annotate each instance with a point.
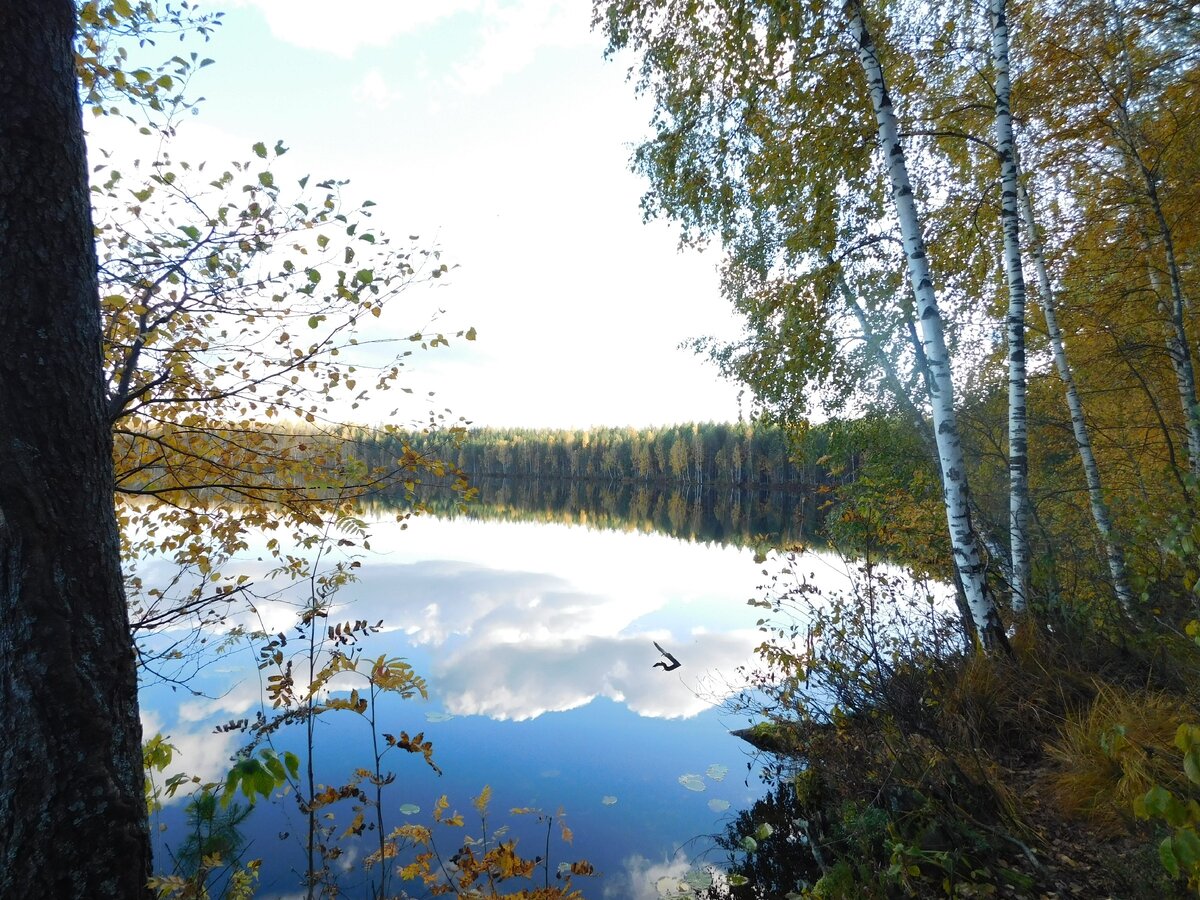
(496, 130)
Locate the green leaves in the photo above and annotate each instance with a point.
(260, 776)
(1187, 739)
(1180, 851)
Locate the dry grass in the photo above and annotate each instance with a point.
(1113, 752)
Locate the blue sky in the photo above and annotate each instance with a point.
(498, 131)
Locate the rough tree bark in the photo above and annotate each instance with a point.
(72, 814)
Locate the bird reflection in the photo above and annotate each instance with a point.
(673, 662)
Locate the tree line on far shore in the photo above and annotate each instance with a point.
(696, 454)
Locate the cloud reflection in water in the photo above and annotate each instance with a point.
(514, 645)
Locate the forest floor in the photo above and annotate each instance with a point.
(1072, 859)
(985, 775)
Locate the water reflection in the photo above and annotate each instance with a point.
(538, 644)
(733, 515)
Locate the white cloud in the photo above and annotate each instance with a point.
(202, 754)
(509, 34)
(641, 879)
(354, 24)
(198, 753)
(241, 698)
(375, 90)
(524, 680)
(513, 33)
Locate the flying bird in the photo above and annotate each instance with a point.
(674, 663)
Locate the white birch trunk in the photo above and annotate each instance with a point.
(998, 553)
(892, 377)
(894, 383)
(1018, 434)
(1083, 441)
(967, 558)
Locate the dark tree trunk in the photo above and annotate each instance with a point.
(72, 814)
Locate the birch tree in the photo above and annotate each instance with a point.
(1112, 112)
(1160, 234)
(963, 540)
(1113, 552)
(1018, 431)
(775, 130)
(1017, 209)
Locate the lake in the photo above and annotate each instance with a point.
(538, 644)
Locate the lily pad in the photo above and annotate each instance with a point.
(438, 716)
(692, 782)
(409, 809)
(608, 800)
(698, 879)
(717, 772)
(718, 805)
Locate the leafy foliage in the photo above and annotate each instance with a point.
(1179, 850)
(234, 305)
(483, 862)
(213, 331)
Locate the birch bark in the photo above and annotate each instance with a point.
(1178, 345)
(998, 553)
(896, 386)
(967, 557)
(1018, 434)
(1083, 441)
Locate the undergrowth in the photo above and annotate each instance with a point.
(907, 765)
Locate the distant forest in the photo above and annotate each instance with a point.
(696, 455)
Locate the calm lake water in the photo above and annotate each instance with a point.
(537, 642)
